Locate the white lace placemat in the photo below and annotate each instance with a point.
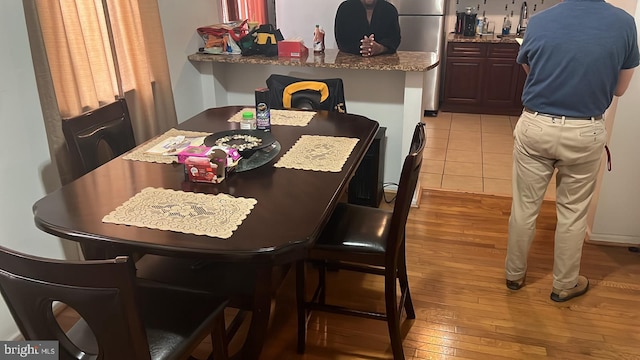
(140, 153)
(185, 212)
(318, 153)
(281, 117)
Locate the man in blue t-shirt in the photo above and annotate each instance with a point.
(578, 55)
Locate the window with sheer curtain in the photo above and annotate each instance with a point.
(253, 10)
(80, 56)
(88, 52)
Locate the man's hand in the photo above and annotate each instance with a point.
(369, 47)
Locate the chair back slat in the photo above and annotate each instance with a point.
(97, 136)
(406, 188)
(102, 292)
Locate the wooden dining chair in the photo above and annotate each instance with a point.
(97, 136)
(94, 138)
(119, 320)
(369, 240)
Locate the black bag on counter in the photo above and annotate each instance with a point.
(262, 40)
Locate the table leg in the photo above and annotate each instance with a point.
(261, 312)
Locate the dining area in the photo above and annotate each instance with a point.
(218, 300)
(118, 261)
(233, 242)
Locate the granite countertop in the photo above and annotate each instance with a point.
(488, 38)
(333, 58)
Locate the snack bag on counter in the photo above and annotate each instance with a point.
(223, 38)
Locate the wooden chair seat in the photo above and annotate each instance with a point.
(359, 231)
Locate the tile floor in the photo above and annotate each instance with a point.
(470, 153)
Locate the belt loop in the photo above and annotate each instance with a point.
(535, 113)
(593, 119)
(563, 119)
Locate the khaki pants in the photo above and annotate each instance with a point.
(542, 144)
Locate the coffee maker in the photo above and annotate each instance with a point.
(466, 22)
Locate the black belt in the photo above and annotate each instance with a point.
(599, 117)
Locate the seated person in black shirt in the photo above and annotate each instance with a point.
(367, 27)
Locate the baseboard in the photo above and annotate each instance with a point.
(417, 196)
(611, 239)
(17, 336)
(415, 201)
(611, 244)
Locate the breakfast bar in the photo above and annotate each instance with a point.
(386, 88)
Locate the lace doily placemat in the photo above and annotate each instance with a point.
(281, 117)
(185, 212)
(140, 153)
(318, 153)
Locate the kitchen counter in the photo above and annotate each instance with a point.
(334, 59)
(489, 38)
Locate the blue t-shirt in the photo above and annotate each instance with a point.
(576, 50)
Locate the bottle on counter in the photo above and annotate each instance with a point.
(506, 26)
(263, 110)
(485, 25)
(248, 121)
(480, 26)
(318, 40)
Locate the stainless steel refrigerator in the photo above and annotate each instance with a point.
(422, 29)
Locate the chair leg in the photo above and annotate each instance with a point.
(219, 339)
(404, 283)
(301, 309)
(322, 282)
(393, 316)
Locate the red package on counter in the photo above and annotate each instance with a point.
(292, 48)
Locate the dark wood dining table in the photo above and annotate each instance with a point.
(292, 206)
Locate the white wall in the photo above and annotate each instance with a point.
(179, 24)
(298, 18)
(23, 172)
(618, 204)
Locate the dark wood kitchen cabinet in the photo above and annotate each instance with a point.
(483, 78)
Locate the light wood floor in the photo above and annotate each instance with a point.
(456, 246)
